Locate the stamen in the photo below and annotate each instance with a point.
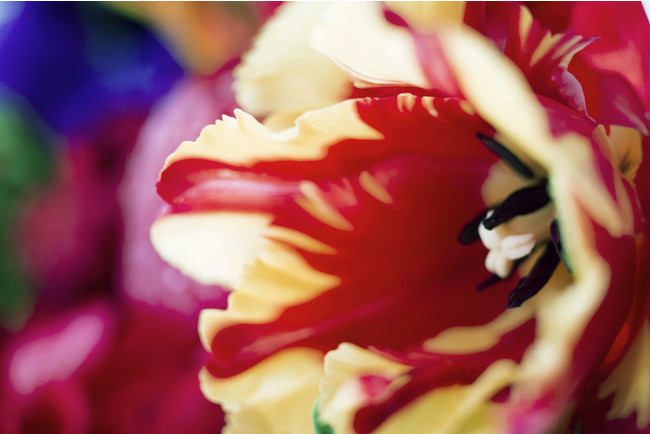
(504, 153)
(536, 279)
(504, 248)
(469, 234)
(524, 201)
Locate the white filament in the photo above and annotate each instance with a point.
(515, 239)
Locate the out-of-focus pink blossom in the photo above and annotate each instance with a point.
(69, 235)
(103, 368)
(146, 277)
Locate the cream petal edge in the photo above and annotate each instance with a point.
(468, 340)
(244, 252)
(429, 16)
(210, 247)
(282, 75)
(564, 315)
(275, 396)
(341, 393)
(243, 141)
(511, 107)
(630, 382)
(371, 51)
(457, 409)
(452, 409)
(241, 251)
(278, 277)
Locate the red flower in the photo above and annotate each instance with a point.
(457, 248)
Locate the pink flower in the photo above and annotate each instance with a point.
(181, 115)
(99, 369)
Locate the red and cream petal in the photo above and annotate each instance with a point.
(623, 45)
(274, 397)
(243, 141)
(364, 391)
(282, 76)
(621, 392)
(375, 198)
(342, 388)
(364, 199)
(355, 377)
(614, 69)
(630, 382)
(457, 408)
(598, 215)
(358, 192)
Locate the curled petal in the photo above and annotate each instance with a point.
(343, 390)
(282, 74)
(630, 382)
(231, 238)
(457, 408)
(371, 51)
(275, 397)
(351, 220)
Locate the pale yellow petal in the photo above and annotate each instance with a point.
(211, 247)
(563, 312)
(370, 50)
(512, 108)
(454, 409)
(577, 190)
(276, 277)
(280, 275)
(467, 340)
(457, 409)
(626, 150)
(500, 183)
(276, 396)
(429, 15)
(242, 308)
(342, 394)
(282, 73)
(243, 141)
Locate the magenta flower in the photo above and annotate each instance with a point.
(97, 368)
(436, 223)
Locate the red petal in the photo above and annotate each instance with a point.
(433, 371)
(404, 276)
(623, 46)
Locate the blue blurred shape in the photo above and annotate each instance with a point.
(78, 64)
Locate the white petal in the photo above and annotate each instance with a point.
(212, 248)
(371, 50)
(282, 73)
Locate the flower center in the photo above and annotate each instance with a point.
(515, 239)
(516, 228)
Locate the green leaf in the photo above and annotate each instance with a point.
(25, 166)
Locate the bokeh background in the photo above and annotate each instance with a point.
(97, 334)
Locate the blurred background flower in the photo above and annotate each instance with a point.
(97, 334)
